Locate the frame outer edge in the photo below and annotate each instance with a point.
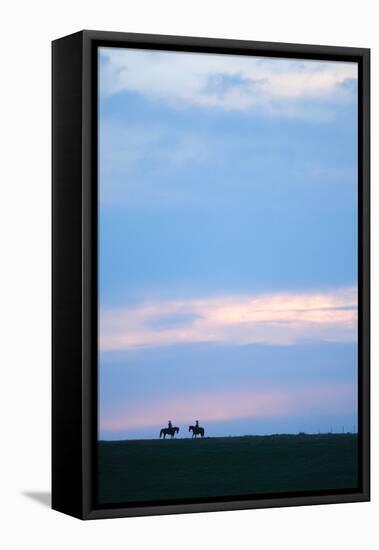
(365, 259)
(67, 383)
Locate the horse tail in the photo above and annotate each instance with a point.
(160, 434)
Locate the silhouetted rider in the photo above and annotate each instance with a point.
(197, 424)
(169, 424)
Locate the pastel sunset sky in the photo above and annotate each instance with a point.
(227, 244)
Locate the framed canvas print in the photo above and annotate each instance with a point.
(210, 274)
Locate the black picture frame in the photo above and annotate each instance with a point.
(74, 269)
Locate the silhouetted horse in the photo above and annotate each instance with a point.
(196, 430)
(169, 431)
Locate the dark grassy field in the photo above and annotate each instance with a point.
(225, 466)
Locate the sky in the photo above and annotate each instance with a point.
(227, 244)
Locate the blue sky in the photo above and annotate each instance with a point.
(228, 243)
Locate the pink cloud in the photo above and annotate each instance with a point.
(230, 405)
(278, 318)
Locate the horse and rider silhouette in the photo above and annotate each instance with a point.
(172, 430)
(196, 430)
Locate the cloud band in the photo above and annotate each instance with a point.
(280, 318)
